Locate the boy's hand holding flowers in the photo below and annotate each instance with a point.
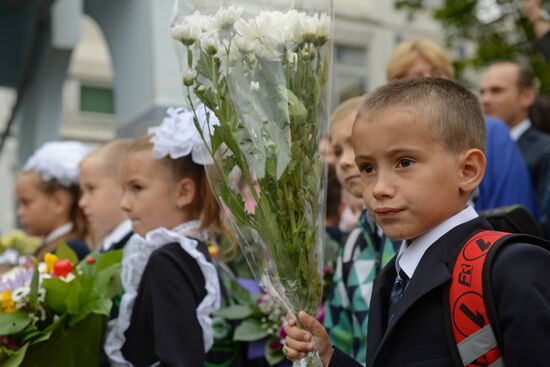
(313, 336)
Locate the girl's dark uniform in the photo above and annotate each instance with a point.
(164, 325)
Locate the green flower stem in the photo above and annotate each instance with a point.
(189, 57)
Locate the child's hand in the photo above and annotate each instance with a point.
(298, 342)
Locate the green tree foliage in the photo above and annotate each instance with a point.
(505, 36)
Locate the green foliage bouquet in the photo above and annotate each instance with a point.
(257, 83)
(54, 313)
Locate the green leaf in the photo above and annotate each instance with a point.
(296, 108)
(73, 297)
(56, 294)
(221, 328)
(107, 283)
(235, 202)
(12, 323)
(99, 307)
(236, 312)
(33, 293)
(16, 358)
(64, 252)
(249, 330)
(272, 356)
(107, 259)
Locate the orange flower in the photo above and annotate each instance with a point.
(213, 250)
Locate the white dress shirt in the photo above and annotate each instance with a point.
(410, 254)
(117, 234)
(517, 131)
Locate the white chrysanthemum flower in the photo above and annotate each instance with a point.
(254, 86)
(306, 29)
(186, 33)
(210, 45)
(312, 29)
(308, 51)
(249, 30)
(225, 18)
(201, 21)
(282, 25)
(260, 36)
(266, 51)
(189, 76)
(292, 57)
(242, 44)
(323, 29)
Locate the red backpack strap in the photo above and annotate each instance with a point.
(471, 327)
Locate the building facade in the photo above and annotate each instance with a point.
(114, 72)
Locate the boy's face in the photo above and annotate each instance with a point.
(346, 170)
(101, 196)
(410, 182)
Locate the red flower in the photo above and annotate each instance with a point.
(7, 342)
(275, 344)
(62, 268)
(282, 332)
(90, 260)
(321, 314)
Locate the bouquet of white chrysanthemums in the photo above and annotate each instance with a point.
(257, 85)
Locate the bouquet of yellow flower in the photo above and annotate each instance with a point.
(257, 84)
(55, 312)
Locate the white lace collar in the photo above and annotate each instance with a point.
(136, 256)
(189, 229)
(58, 232)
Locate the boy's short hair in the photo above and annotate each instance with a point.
(452, 111)
(110, 156)
(407, 51)
(347, 107)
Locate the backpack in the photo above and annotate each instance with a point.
(513, 219)
(474, 333)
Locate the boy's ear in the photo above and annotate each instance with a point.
(186, 191)
(472, 169)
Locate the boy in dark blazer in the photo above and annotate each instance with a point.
(419, 146)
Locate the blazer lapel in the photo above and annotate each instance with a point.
(432, 271)
(379, 306)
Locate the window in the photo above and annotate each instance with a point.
(349, 73)
(96, 99)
